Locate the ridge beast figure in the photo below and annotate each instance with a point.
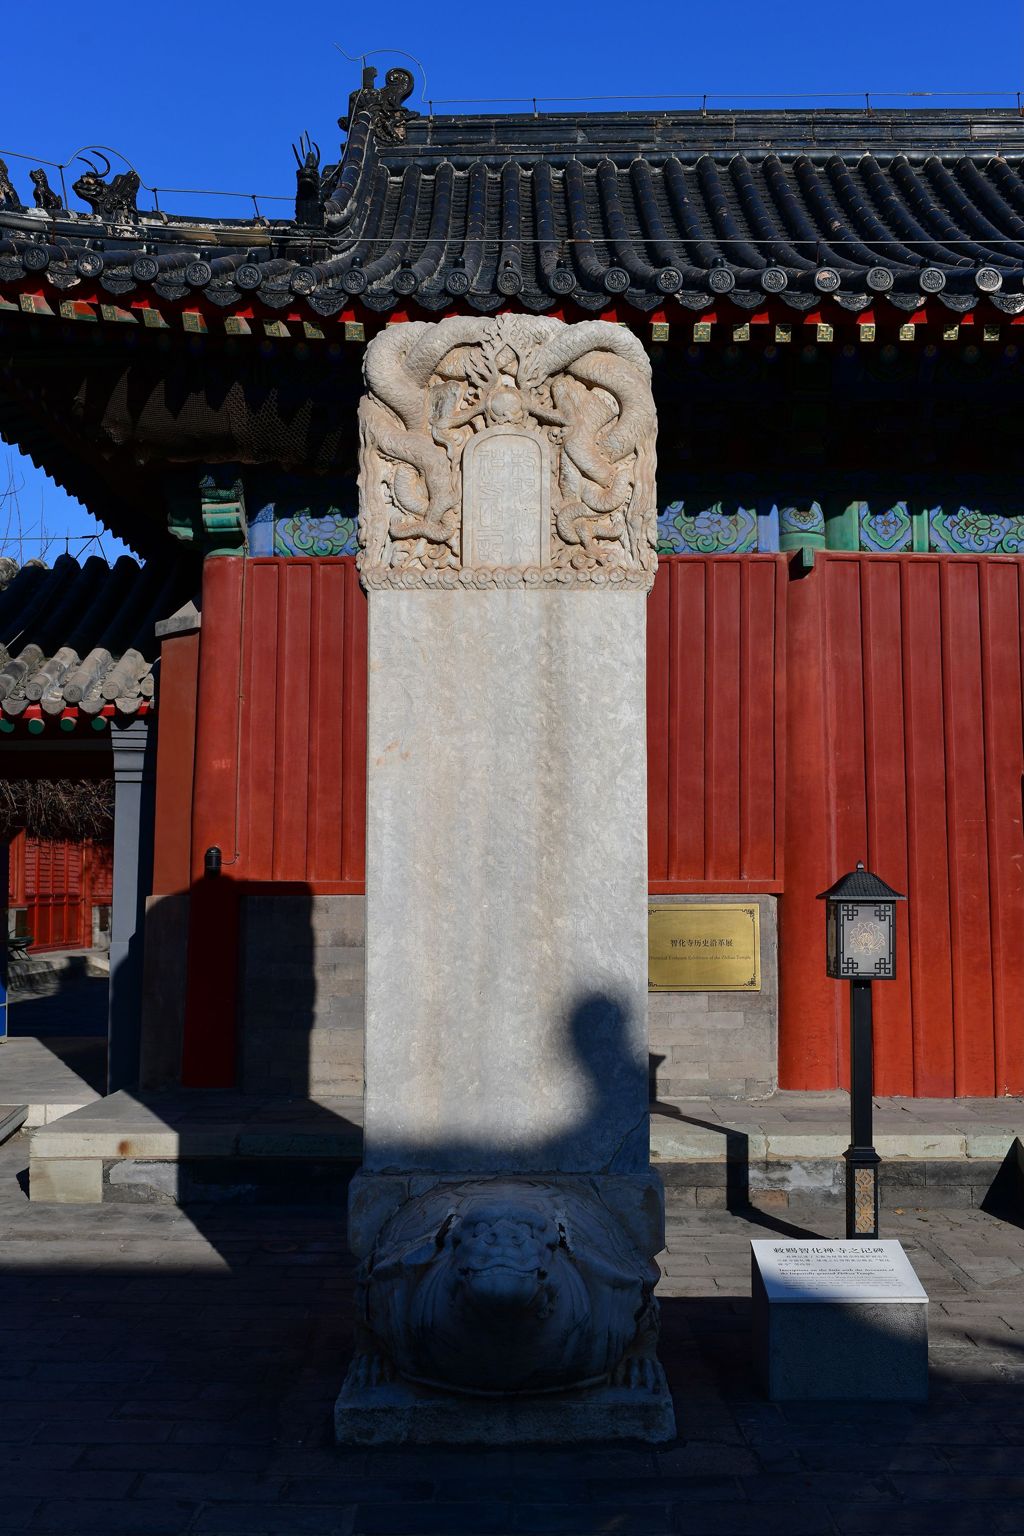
(43, 194)
(8, 197)
(384, 103)
(108, 200)
(309, 182)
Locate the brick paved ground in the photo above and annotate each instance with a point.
(167, 1373)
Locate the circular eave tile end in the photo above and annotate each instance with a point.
(988, 279)
(932, 280)
(616, 280)
(774, 280)
(721, 280)
(880, 279)
(827, 280)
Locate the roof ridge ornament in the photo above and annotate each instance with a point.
(309, 182)
(384, 103)
(42, 193)
(115, 202)
(8, 195)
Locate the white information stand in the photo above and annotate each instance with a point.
(839, 1321)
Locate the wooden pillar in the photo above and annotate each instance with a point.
(167, 909)
(4, 880)
(211, 998)
(133, 863)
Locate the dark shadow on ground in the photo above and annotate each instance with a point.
(160, 1381)
(1005, 1198)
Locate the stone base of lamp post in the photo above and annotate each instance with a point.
(862, 1164)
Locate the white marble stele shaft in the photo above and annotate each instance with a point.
(506, 949)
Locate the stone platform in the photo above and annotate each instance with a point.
(935, 1152)
(51, 1077)
(180, 1148)
(719, 1152)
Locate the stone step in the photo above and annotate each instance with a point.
(57, 971)
(12, 1118)
(196, 1146)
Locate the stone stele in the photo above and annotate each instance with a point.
(506, 1217)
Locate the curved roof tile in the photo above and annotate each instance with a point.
(83, 636)
(647, 207)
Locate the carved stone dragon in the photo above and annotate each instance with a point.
(432, 387)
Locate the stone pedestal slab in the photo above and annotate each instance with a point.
(401, 1413)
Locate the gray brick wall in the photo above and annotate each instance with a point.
(302, 1007)
(301, 995)
(719, 1043)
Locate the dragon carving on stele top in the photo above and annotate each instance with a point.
(583, 390)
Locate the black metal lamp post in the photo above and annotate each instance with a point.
(860, 926)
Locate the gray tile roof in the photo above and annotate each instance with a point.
(555, 209)
(83, 636)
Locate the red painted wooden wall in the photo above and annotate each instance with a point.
(905, 748)
(280, 765)
(302, 744)
(716, 688)
(868, 708)
(281, 786)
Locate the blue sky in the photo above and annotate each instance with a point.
(201, 96)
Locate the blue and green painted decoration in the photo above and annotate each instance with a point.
(879, 527)
(298, 520)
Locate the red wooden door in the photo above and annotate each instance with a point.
(58, 884)
(54, 880)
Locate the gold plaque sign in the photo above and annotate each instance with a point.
(712, 947)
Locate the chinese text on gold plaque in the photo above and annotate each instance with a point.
(706, 947)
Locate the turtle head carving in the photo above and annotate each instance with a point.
(504, 1259)
(500, 1286)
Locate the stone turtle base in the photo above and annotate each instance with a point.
(399, 1413)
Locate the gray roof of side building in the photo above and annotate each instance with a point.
(83, 636)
